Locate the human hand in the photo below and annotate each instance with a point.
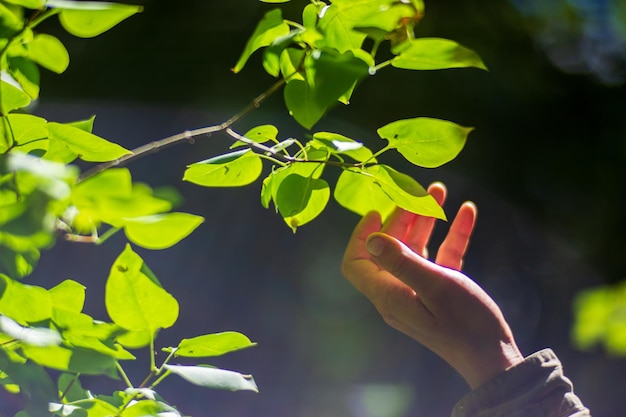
(432, 302)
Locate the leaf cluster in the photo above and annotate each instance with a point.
(318, 64)
(321, 61)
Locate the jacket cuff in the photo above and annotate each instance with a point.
(535, 387)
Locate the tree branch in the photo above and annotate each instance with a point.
(187, 136)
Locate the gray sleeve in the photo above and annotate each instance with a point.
(534, 388)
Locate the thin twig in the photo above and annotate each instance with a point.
(187, 136)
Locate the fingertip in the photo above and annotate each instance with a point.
(439, 191)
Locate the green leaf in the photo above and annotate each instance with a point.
(68, 295)
(426, 142)
(18, 264)
(210, 345)
(359, 193)
(365, 190)
(72, 388)
(87, 146)
(29, 132)
(12, 96)
(24, 303)
(26, 73)
(36, 386)
(259, 134)
(301, 199)
(275, 1)
(133, 300)
(87, 19)
(160, 231)
(84, 361)
(305, 169)
(434, 54)
(269, 29)
(35, 336)
(291, 60)
(329, 78)
(339, 144)
(233, 169)
(29, 4)
(49, 52)
(214, 378)
(405, 191)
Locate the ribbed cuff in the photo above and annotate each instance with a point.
(536, 387)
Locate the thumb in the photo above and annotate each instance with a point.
(400, 261)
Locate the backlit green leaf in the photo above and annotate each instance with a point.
(230, 170)
(87, 146)
(49, 52)
(36, 386)
(434, 54)
(339, 144)
(305, 169)
(68, 295)
(29, 132)
(405, 191)
(214, 378)
(426, 142)
(87, 19)
(29, 4)
(85, 361)
(24, 303)
(133, 300)
(268, 29)
(329, 78)
(160, 231)
(259, 134)
(301, 199)
(12, 95)
(359, 193)
(26, 73)
(215, 344)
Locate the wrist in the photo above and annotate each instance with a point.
(490, 363)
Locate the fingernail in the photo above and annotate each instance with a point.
(375, 246)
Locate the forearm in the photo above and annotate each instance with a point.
(533, 388)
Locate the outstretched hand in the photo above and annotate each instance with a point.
(431, 301)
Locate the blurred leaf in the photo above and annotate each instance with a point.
(268, 29)
(160, 231)
(233, 169)
(434, 54)
(12, 95)
(24, 303)
(214, 378)
(600, 318)
(84, 361)
(68, 295)
(215, 344)
(26, 73)
(301, 199)
(87, 146)
(133, 300)
(70, 385)
(29, 4)
(87, 19)
(18, 264)
(424, 141)
(35, 336)
(29, 132)
(36, 387)
(49, 52)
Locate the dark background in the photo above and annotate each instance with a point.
(545, 165)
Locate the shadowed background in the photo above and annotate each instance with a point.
(545, 165)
